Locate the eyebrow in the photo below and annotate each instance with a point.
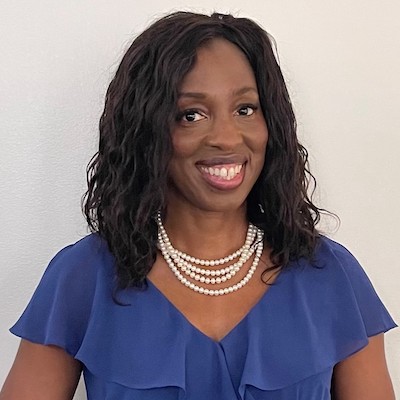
(200, 95)
(244, 90)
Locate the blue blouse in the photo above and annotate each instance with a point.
(285, 348)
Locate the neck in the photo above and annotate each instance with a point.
(206, 234)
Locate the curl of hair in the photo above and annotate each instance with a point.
(127, 177)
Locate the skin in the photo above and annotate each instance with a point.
(220, 117)
(364, 375)
(41, 373)
(205, 222)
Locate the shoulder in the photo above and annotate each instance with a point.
(327, 250)
(79, 270)
(85, 258)
(333, 277)
(337, 282)
(330, 261)
(76, 280)
(337, 260)
(89, 247)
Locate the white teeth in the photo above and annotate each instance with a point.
(224, 173)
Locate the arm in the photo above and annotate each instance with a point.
(364, 375)
(41, 373)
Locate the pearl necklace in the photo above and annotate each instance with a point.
(179, 261)
(245, 253)
(251, 232)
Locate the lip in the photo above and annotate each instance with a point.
(220, 160)
(222, 184)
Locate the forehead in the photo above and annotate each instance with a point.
(220, 65)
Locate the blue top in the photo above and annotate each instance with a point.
(285, 348)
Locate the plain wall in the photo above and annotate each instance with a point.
(341, 60)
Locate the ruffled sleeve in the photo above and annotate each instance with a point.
(311, 318)
(123, 338)
(316, 316)
(375, 317)
(59, 310)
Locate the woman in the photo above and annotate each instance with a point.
(205, 276)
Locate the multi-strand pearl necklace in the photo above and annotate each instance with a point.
(183, 264)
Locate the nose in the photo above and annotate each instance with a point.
(225, 133)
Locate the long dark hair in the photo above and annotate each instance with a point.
(127, 177)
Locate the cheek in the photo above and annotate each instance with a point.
(257, 134)
(264, 140)
(183, 147)
(259, 146)
(259, 142)
(181, 163)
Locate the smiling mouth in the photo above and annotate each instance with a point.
(225, 173)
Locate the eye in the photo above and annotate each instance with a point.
(190, 116)
(247, 110)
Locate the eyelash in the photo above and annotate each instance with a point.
(184, 113)
(252, 106)
(187, 112)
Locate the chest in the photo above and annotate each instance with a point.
(262, 357)
(214, 316)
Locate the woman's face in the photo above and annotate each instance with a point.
(220, 135)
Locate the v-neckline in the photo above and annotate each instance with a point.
(236, 327)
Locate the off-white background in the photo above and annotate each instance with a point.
(341, 60)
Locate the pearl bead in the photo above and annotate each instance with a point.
(244, 257)
(180, 262)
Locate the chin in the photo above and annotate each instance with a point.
(221, 204)
(208, 200)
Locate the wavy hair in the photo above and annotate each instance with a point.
(127, 177)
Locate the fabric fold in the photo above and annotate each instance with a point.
(285, 348)
(317, 317)
(135, 348)
(73, 308)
